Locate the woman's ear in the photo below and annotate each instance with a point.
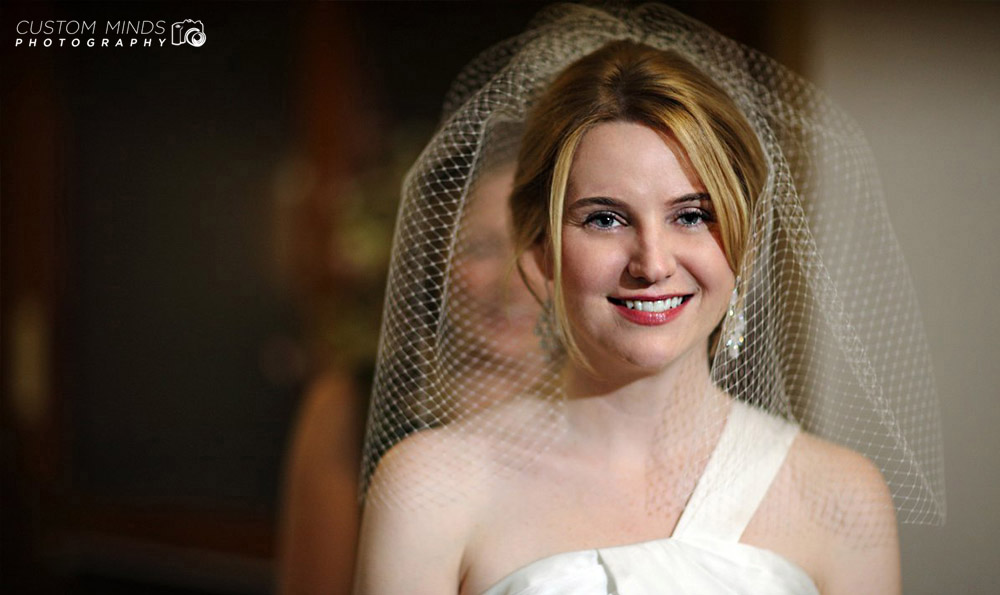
(535, 278)
(543, 258)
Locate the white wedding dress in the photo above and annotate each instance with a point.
(704, 555)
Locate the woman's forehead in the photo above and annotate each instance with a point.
(615, 158)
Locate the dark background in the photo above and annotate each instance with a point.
(161, 309)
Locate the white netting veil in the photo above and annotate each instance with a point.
(823, 330)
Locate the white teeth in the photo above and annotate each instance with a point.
(657, 306)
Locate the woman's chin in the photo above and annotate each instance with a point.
(643, 363)
(639, 362)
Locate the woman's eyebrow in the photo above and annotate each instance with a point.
(692, 197)
(607, 201)
(598, 201)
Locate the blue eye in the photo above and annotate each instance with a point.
(602, 220)
(694, 217)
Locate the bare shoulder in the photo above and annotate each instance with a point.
(845, 500)
(428, 466)
(852, 497)
(424, 501)
(415, 518)
(822, 459)
(450, 464)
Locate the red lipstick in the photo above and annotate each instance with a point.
(649, 318)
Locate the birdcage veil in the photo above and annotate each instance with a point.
(824, 329)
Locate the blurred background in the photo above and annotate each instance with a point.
(194, 242)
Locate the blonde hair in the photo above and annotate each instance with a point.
(631, 82)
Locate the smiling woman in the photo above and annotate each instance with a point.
(702, 411)
(625, 258)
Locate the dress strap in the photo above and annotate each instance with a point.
(751, 450)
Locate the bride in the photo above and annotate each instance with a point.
(709, 335)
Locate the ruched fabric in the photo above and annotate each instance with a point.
(663, 566)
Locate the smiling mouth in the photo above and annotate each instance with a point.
(655, 306)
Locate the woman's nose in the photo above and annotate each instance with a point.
(652, 257)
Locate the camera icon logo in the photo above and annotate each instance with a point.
(188, 32)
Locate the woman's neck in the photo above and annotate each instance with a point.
(627, 413)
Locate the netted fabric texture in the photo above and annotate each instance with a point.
(468, 392)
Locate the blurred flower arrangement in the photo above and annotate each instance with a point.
(333, 238)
